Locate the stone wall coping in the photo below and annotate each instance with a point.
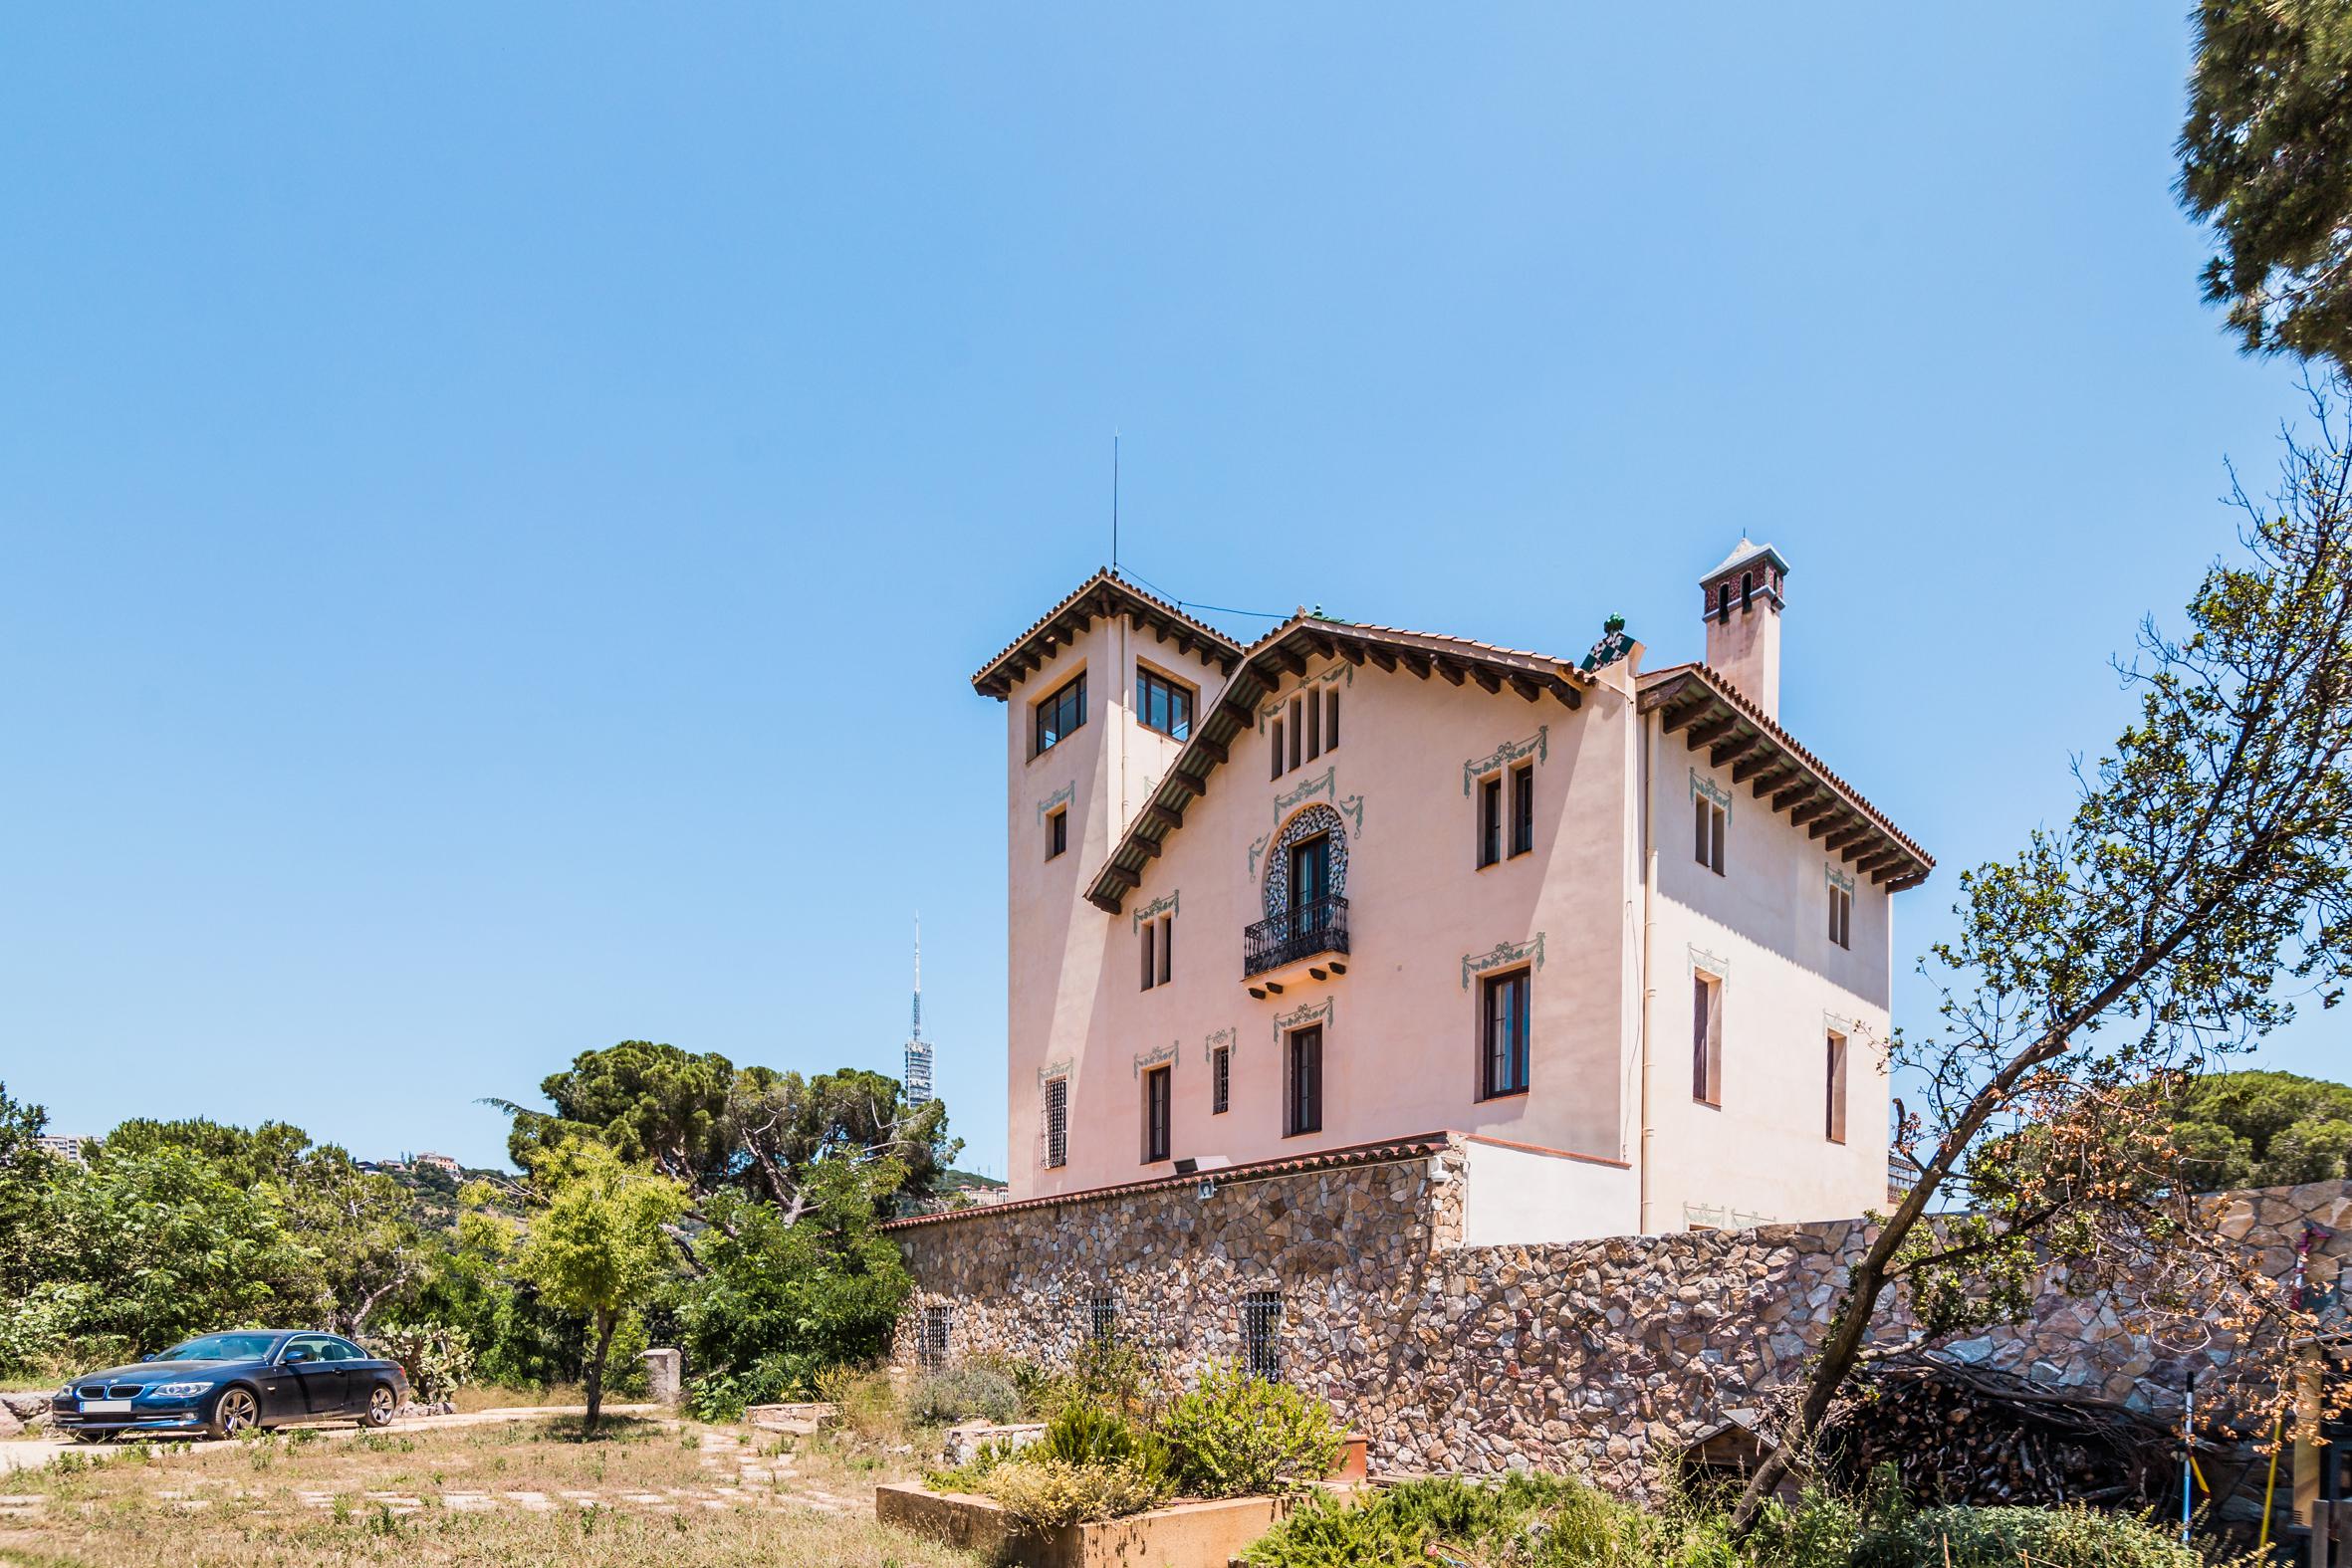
(1387, 1151)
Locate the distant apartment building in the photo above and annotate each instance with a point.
(438, 1162)
(65, 1146)
(1350, 885)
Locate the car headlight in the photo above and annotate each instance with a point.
(178, 1390)
(67, 1392)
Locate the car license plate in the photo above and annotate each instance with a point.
(106, 1406)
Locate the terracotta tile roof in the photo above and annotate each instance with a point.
(1387, 1151)
(994, 680)
(1656, 688)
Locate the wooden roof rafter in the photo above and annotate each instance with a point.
(1102, 598)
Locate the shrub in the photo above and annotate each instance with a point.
(723, 1396)
(1395, 1528)
(963, 1394)
(969, 1475)
(1235, 1435)
(2066, 1537)
(866, 1399)
(1084, 1436)
(438, 1357)
(1046, 1494)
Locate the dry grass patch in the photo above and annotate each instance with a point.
(478, 1396)
(639, 1496)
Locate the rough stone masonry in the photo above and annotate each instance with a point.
(1596, 1356)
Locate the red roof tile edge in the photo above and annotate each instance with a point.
(1102, 576)
(1386, 1152)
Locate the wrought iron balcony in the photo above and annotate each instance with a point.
(1301, 933)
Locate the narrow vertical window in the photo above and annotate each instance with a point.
(1503, 1058)
(1277, 750)
(1304, 1099)
(1056, 831)
(1262, 1329)
(1056, 1115)
(1723, 600)
(1167, 948)
(1710, 819)
(1331, 720)
(1150, 941)
(1841, 915)
(1314, 726)
(1833, 1124)
(1295, 726)
(1157, 1084)
(1490, 820)
(1746, 590)
(1706, 1039)
(1523, 809)
(1219, 1080)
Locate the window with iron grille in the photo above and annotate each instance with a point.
(1057, 1111)
(934, 1345)
(1061, 713)
(1219, 1080)
(1102, 1317)
(1262, 1330)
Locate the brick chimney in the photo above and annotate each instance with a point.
(1743, 612)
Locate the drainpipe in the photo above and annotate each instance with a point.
(1649, 990)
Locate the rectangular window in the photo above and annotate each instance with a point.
(1102, 1317)
(1159, 951)
(1296, 726)
(933, 1349)
(1706, 1039)
(1156, 1085)
(1277, 750)
(1058, 715)
(1315, 727)
(1303, 1110)
(1056, 1122)
(1261, 1334)
(1331, 720)
(1490, 820)
(1504, 1058)
(1523, 809)
(1163, 704)
(1710, 823)
(1219, 1080)
(1056, 831)
(1841, 915)
(1834, 1121)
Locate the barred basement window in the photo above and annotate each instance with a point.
(1262, 1329)
(1103, 1318)
(1056, 1122)
(934, 1344)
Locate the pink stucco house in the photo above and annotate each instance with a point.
(1350, 885)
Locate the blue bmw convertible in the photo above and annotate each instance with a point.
(225, 1384)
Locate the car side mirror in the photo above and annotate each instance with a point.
(294, 1355)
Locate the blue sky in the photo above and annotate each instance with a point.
(499, 505)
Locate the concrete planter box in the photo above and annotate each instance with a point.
(1181, 1535)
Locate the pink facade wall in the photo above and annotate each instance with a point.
(1609, 954)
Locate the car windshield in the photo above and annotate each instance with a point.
(222, 1347)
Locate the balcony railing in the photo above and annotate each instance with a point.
(1318, 927)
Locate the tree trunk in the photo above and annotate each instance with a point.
(607, 1322)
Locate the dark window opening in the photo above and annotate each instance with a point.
(1219, 1080)
(1277, 750)
(1102, 1317)
(1058, 715)
(1056, 831)
(1490, 820)
(1331, 719)
(1296, 715)
(1723, 600)
(1523, 809)
(1304, 1102)
(1505, 1059)
(1163, 704)
(1841, 915)
(1834, 1121)
(933, 1349)
(1159, 951)
(1156, 1086)
(1746, 590)
(1712, 819)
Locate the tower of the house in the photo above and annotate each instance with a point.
(1742, 603)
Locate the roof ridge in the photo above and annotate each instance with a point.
(1103, 576)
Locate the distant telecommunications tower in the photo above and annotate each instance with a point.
(919, 1050)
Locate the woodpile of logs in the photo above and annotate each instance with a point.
(1959, 1434)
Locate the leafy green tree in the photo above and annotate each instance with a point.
(2204, 879)
(2264, 1129)
(596, 1242)
(2267, 161)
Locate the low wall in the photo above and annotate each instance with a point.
(1598, 1357)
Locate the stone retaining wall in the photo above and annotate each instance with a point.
(1598, 1357)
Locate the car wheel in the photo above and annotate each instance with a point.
(236, 1411)
(381, 1405)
